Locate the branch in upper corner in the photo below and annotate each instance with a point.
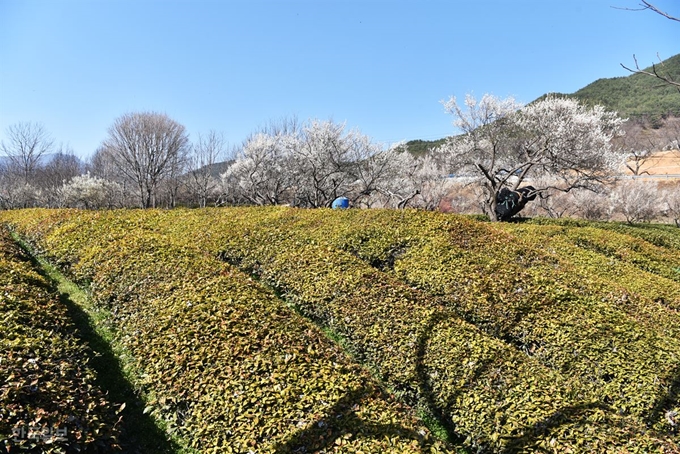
(646, 5)
(664, 77)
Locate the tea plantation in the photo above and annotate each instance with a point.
(279, 330)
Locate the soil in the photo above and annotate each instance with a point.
(661, 163)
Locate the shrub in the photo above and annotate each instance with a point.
(220, 359)
(49, 401)
(610, 320)
(419, 347)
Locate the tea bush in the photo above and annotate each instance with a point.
(465, 375)
(514, 347)
(580, 312)
(222, 361)
(49, 401)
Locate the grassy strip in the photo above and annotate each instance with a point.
(140, 433)
(232, 367)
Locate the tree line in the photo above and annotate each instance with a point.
(147, 161)
(551, 147)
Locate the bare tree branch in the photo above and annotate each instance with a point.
(655, 73)
(649, 6)
(666, 78)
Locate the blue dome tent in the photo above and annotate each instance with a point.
(341, 203)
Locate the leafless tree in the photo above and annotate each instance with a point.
(201, 180)
(51, 175)
(61, 167)
(636, 150)
(671, 201)
(119, 192)
(172, 183)
(594, 206)
(24, 147)
(146, 148)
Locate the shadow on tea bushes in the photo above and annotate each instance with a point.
(223, 362)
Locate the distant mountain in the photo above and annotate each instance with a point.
(421, 147)
(217, 169)
(647, 101)
(636, 95)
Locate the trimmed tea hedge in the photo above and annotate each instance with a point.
(453, 348)
(223, 361)
(49, 401)
(491, 393)
(530, 287)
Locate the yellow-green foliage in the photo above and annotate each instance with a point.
(510, 335)
(492, 394)
(584, 301)
(49, 401)
(227, 364)
(492, 280)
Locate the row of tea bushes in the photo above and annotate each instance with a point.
(49, 399)
(490, 393)
(633, 262)
(663, 235)
(530, 287)
(222, 361)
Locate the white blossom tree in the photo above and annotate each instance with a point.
(307, 165)
(636, 200)
(322, 163)
(505, 144)
(262, 173)
(87, 191)
(373, 166)
(418, 182)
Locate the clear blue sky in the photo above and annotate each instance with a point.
(380, 66)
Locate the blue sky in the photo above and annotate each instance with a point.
(233, 66)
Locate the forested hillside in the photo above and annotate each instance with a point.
(637, 95)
